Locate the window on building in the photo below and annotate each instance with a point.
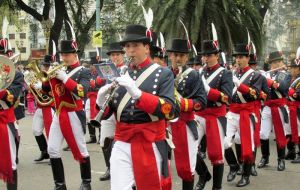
(23, 50)
(22, 35)
(12, 36)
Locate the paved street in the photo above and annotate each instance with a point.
(39, 177)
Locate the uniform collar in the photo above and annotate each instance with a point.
(120, 65)
(244, 69)
(213, 68)
(142, 65)
(76, 64)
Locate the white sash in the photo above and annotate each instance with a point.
(138, 83)
(185, 73)
(243, 78)
(211, 77)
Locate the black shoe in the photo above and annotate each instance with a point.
(263, 162)
(241, 170)
(253, 170)
(67, 148)
(231, 175)
(43, 156)
(296, 160)
(243, 181)
(105, 176)
(281, 165)
(92, 140)
(291, 155)
(85, 186)
(202, 181)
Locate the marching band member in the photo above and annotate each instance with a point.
(274, 113)
(142, 102)
(240, 117)
(108, 126)
(192, 98)
(90, 106)
(218, 86)
(69, 90)
(8, 130)
(43, 115)
(294, 104)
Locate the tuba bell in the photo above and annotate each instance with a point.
(7, 72)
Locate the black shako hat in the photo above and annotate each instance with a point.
(135, 33)
(241, 49)
(275, 56)
(115, 47)
(48, 59)
(68, 46)
(253, 59)
(209, 47)
(154, 48)
(197, 60)
(179, 46)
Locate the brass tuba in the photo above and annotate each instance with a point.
(7, 72)
(35, 75)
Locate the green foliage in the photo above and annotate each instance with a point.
(231, 18)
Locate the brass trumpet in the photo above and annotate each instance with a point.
(35, 76)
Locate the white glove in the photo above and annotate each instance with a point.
(103, 91)
(236, 81)
(129, 84)
(62, 75)
(38, 85)
(206, 86)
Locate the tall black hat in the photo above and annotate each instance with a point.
(275, 56)
(48, 59)
(154, 47)
(253, 59)
(135, 33)
(197, 60)
(241, 49)
(115, 47)
(209, 47)
(69, 46)
(179, 46)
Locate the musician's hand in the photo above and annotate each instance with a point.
(206, 86)
(103, 91)
(129, 84)
(236, 81)
(38, 85)
(62, 75)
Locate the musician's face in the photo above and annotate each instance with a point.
(178, 59)
(138, 51)
(242, 60)
(276, 64)
(69, 58)
(117, 58)
(210, 59)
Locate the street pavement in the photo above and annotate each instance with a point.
(33, 176)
